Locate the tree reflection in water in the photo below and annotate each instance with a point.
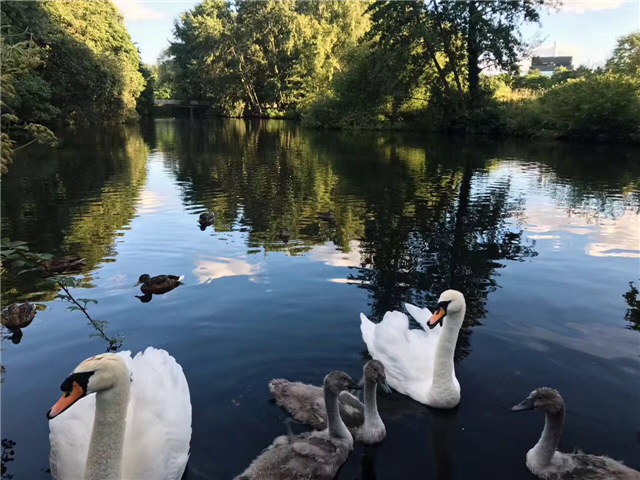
(633, 312)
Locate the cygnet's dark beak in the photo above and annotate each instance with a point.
(354, 386)
(383, 384)
(526, 404)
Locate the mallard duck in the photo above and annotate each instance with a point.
(158, 284)
(285, 234)
(326, 216)
(18, 315)
(206, 219)
(64, 264)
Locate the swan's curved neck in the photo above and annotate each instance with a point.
(443, 364)
(104, 460)
(337, 428)
(371, 415)
(546, 447)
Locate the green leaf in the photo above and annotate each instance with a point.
(18, 264)
(87, 300)
(72, 308)
(27, 270)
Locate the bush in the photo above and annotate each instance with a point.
(606, 104)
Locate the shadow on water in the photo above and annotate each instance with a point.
(507, 223)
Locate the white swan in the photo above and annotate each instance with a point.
(546, 462)
(137, 426)
(419, 363)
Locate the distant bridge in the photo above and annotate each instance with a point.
(178, 107)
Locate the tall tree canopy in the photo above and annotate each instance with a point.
(90, 65)
(458, 39)
(258, 56)
(626, 56)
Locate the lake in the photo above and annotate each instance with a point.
(543, 240)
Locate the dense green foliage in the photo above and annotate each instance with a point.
(626, 56)
(91, 67)
(25, 97)
(144, 103)
(603, 103)
(65, 62)
(260, 58)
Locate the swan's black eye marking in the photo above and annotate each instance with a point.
(444, 305)
(81, 378)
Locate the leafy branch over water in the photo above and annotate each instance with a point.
(16, 257)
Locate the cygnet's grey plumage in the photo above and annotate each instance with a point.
(314, 455)
(306, 404)
(546, 462)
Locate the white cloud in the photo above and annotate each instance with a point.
(137, 11)
(582, 6)
(219, 267)
(330, 255)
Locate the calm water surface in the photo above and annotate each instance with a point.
(542, 240)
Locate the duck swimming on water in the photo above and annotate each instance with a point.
(206, 219)
(159, 284)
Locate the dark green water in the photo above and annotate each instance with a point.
(542, 240)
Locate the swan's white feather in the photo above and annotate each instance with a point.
(368, 328)
(158, 428)
(420, 315)
(408, 355)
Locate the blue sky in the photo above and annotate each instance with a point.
(585, 29)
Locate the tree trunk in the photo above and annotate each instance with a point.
(441, 72)
(473, 54)
(446, 40)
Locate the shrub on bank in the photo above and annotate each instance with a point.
(607, 104)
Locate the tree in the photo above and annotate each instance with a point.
(25, 96)
(459, 38)
(144, 103)
(626, 56)
(91, 64)
(270, 56)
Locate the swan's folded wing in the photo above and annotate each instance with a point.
(305, 403)
(69, 436)
(368, 329)
(351, 410)
(306, 456)
(159, 418)
(420, 315)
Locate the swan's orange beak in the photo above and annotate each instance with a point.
(66, 400)
(437, 317)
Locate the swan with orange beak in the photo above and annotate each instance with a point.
(419, 363)
(121, 417)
